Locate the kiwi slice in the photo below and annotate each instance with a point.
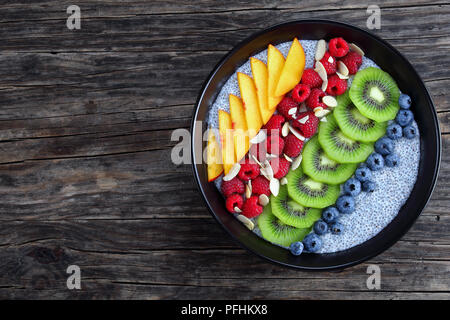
(309, 192)
(375, 94)
(340, 147)
(317, 165)
(275, 231)
(353, 124)
(291, 212)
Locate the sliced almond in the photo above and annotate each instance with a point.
(233, 172)
(324, 119)
(274, 186)
(355, 48)
(324, 85)
(296, 162)
(267, 171)
(246, 221)
(237, 210)
(260, 137)
(256, 160)
(317, 109)
(321, 48)
(263, 200)
(330, 59)
(322, 113)
(292, 111)
(342, 68)
(263, 171)
(266, 174)
(341, 76)
(271, 156)
(296, 133)
(287, 157)
(283, 181)
(320, 69)
(303, 120)
(285, 129)
(248, 191)
(330, 101)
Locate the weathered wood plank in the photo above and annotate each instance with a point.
(143, 184)
(131, 234)
(200, 31)
(100, 289)
(42, 267)
(52, 9)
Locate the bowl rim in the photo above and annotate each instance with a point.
(401, 232)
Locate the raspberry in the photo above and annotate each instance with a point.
(280, 167)
(308, 128)
(330, 67)
(285, 105)
(301, 92)
(352, 61)
(232, 186)
(311, 78)
(260, 185)
(251, 207)
(338, 47)
(273, 126)
(274, 144)
(315, 99)
(249, 171)
(233, 201)
(292, 146)
(336, 86)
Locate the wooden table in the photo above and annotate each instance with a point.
(85, 173)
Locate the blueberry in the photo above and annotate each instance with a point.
(409, 132)
(375, 161)
(404, 101)
(384, 146)
(330, 214)
(368, 186)
(312, 242)
(352, 186)
(345, 204)
(320, 227)
(394, 131)
(392, 160)
(404, 117)
(296, 248)
(336, 228)
(363, 174)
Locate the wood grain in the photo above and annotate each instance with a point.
(86, 119)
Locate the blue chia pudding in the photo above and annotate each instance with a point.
(379, 183)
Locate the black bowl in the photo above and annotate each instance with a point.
(391, 61)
